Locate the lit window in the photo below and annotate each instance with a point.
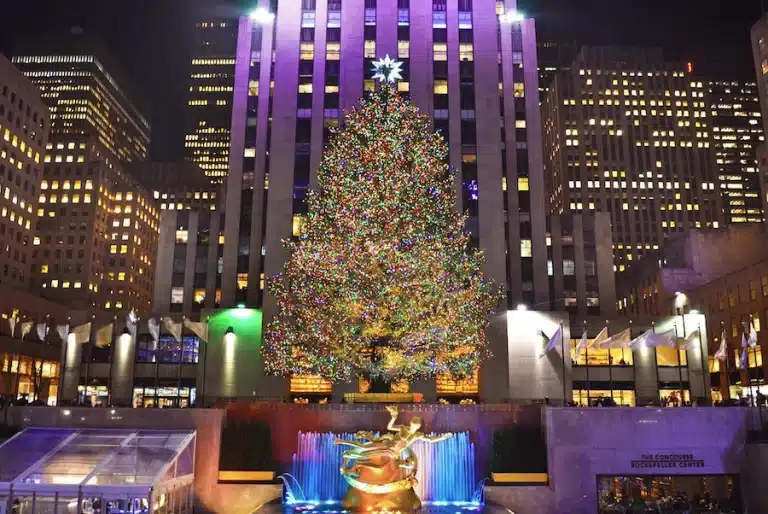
(44, 269)
(242, 280)
(298, 224)
(403, 49)
(569, 267)
(249, 152)
(520, 124)
(305, 88)
(519, 90)
(440, 51)
(181, 236)
(253, 88)
(466, 52)
(522, 184)
(525, 248)
(177, 295)
(369, 51)
(441, 87)
(332, 51)
(307, 52)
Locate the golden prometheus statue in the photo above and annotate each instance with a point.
(381, 471)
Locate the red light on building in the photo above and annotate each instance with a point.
(690, 67)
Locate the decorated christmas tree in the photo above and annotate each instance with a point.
(382, 282)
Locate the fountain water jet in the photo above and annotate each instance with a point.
(446, 472)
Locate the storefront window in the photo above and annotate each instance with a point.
(670, 397)
(600, 357)
(28, 378)
(168, 350)
(594, 397)
(164, 396)
(446, 384)
(648, 493)
(310, 384)
(668, 356)
(93, 395)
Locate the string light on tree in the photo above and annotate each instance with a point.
(387, 70)
(382, 283)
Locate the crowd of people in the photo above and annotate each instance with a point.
(676, 503)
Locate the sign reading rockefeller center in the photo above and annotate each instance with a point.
(667, 461)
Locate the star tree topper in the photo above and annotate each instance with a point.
(387, 70)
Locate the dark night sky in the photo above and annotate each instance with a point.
(150, 37)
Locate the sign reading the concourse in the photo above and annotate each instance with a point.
(667, 461)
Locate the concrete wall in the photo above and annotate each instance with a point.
(532, 376)
(584, 443)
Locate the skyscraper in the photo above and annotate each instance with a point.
(96, 236)
(737, 131)
(86, 93)
(209, 106)
(24, 126)
(469, 65)
(628, 133)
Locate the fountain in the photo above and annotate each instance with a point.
(445, 474)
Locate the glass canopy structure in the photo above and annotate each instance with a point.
(97, 471)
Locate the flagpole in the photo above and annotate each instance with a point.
(586, 361)
(18, 366)
(727, 370)
(679, 365)
(757, 368)
(562, 347)
(181, 360)
(610, 366)
(112, 343)
(63, 368)
(704, 367)
(10, 364)
(746, 366)
(88, 357)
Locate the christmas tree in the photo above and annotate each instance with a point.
(382, 282)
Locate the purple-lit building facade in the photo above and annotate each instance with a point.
(472, 66)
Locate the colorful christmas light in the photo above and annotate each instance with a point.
(382, 282)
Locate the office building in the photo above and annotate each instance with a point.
(737, 131)
(96, 235)
(450, 53)
(24, 126)
(86, 93)
(722, 274)
(177, 185)
(628, 133)
(759, 36)
(209, 105)
(553, 58)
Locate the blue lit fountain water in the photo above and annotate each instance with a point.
(446, 472)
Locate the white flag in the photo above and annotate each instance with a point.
(752, 334)
(602, 336)
(26, 328)
(620, 340)
(200, 328)
(553, 342)
(63, 331)
(690, 341)
(12, 322)
(154, 329)
(581, 344)
(722, 351)
(744, 346)
(662, 339)
(172, 327)
(131, 322)
(42, 330)
(641, 340)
